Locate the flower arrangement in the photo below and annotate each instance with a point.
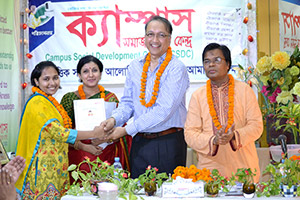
(276, 77)
(285, 173)
(193, 173)
(151, 175)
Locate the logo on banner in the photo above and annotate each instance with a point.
(41, 23)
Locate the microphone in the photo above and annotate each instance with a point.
(282, 141)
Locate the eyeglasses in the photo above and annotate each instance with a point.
(159, 35)
(216, 60)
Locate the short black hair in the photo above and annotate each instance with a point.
(166, 22)
(87, 59)
(225, 50)
(38, 69)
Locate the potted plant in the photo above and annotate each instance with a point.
(245, 176)
(151, 178)
(285, 174)
(101, 171)
(291, 114)
(217, 183)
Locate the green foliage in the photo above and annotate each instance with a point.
(290, 112)
(286, 173)
(152, 175)
(245, 175)
(102, 171)
(219, 181)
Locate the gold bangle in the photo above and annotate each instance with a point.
(76, 145)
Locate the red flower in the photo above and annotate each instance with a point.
(125, 175)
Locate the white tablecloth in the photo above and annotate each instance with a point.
(158, 197)
(69, 197)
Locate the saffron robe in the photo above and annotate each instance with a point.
(248, 126)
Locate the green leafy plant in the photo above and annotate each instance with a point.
(152, 175)
(286, 173)
(102, 172)
(245, 175)
(291, 113)
(220, 182)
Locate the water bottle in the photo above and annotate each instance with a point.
(117, 165)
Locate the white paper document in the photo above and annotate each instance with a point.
(91, 112)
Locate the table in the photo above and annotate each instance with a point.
(158, 197)
(69, 197)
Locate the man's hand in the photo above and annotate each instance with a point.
(226, 137)
(109, 124)
(219, 134)
(116, 134)
(100, 133)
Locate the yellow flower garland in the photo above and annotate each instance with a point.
(82, 94)
(212, 110)
(156, 82)
(59, 107)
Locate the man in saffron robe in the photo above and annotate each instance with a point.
(224, 118)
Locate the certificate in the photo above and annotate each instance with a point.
(89, 113)
(3, 155)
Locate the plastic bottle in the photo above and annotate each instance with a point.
(117, 165)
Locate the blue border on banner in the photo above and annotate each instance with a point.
(293, 1)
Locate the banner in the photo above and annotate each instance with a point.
(9, 77)
(289, 24)
(113, 31)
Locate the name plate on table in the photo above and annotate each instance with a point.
(183, 188)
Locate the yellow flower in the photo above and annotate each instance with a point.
(296, 89)
(280, 60)
(294, 71)
(264, 79)
(284, 97)
(264, 64)
(280, 81)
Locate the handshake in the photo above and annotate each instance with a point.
(107, 132)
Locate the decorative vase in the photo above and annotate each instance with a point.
(287, 191)
(212, 190)
(94, 186)
(248, 189)
(150, 188)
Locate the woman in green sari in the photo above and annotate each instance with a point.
(89, 70)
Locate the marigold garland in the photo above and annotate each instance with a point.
(67, 120)
(212, 110)
(82, 94)
(156, 82)
(192, 173)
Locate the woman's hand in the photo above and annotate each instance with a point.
(97, 141)
(95, 150)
